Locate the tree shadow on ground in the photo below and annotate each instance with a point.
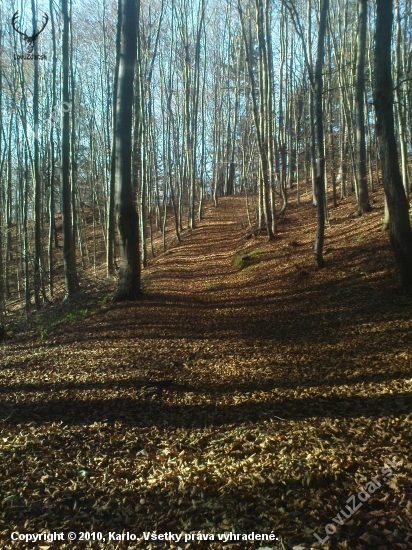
(212, 388)
(144, 412)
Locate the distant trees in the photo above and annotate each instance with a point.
(262, 99)
(316, 107)
(226, 98)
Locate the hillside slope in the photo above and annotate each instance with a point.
(242, 396)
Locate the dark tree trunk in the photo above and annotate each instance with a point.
(363, 194)
(127, 218)
(320, 152)
(399, 224)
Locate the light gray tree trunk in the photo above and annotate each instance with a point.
(36, 172)
(69, 254)
(111, 197)
(52, 159)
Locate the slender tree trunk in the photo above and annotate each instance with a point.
(73, 156)
(331, 134)
(69, 257)
(111, 198)
(311, 110)
(8, 209)
(270, 119)
(400, 104)
(1, 203)
(36, 173)
(282, 109)
(259, 108)
(363, 194)
(1, 259)
(52, 159)
(320, 165)
(25, 192)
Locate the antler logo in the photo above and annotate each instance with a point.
(29, 39)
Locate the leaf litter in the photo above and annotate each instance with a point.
(228, 400)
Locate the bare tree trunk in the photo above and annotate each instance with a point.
(52, 159)
(36, 172)
(282, 109)
(25, 192)
(270, 119)
(320, 165)
(1, 202)
(111, 197)
(127, 217)
(311, 109)
(400, 104)
(73, 157)
(331, 133)
(69, 257)
(8, 210)
(363, 194)
(259, 110)
(399, 223)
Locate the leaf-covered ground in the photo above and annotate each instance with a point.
(257, 399)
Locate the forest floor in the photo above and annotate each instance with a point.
(256, 396)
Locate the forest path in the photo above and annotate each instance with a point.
(204, 257)
(242, 401)
(199, 282)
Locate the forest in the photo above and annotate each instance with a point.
(205, 274)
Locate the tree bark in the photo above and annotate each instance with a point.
(320, 150)
(400, 102)
(112, 183)
(69, 257)
(311, 108)
(363, 194)
(1, 203)
(52, 232)
(399, 224)
(259, 111)
(36, 172)
(127, 218)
